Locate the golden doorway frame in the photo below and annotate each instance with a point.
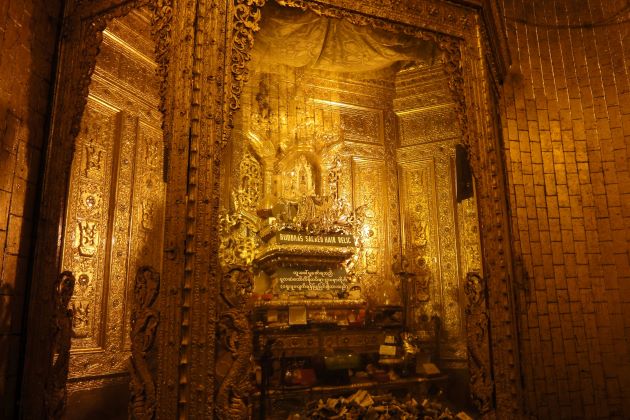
(202, 51)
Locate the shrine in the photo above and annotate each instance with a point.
(326, 209)
(341, 220)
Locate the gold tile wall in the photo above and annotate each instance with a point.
(566, 125)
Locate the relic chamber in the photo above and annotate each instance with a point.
(339, 212)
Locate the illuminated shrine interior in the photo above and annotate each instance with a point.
(347, 226)
(339, 194)
(314, 209)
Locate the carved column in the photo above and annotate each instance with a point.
(478, 343)
(195, 97)
(55, 397)
(145, 319)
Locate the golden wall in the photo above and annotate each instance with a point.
(114, 221)
(566, 125)
(440, 235)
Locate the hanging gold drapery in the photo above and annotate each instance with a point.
(301, 39)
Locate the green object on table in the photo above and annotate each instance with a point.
(342, 360)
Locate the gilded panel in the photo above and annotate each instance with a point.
(356, 124)
(431, 240)
(377, 281)
(421, 97)
(131, 34)
(451, 277)
(85, 248)
(363, 150)
(420, 126)
(119, 239)
(393, 196)
(374, 94)
(470, 244)
(147, 208)
(133, 230)
(124, 64)
(420, 233)
(427, 86)
(120, 184)
(423, 151)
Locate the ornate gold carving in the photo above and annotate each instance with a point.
(434, 240)
(478, 338)
(393, 194)
(91, 200)
(356, 123)
(298, 179)
(361, 126)
(119, 224)
(56, 394)
(246, 19)
(122, 258)
(82, 310)
(148, 191)
(370, 197)
(151, 148)
(233, 365)
(148, 215)
(161, 18)
(85, 234)
(88, 237)
(423, 126)
(234, 329)
(366, 97)
(251, 185)
(468, 219)
(238, 240)
(145, 319)
(419, 233)
(93, 160)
